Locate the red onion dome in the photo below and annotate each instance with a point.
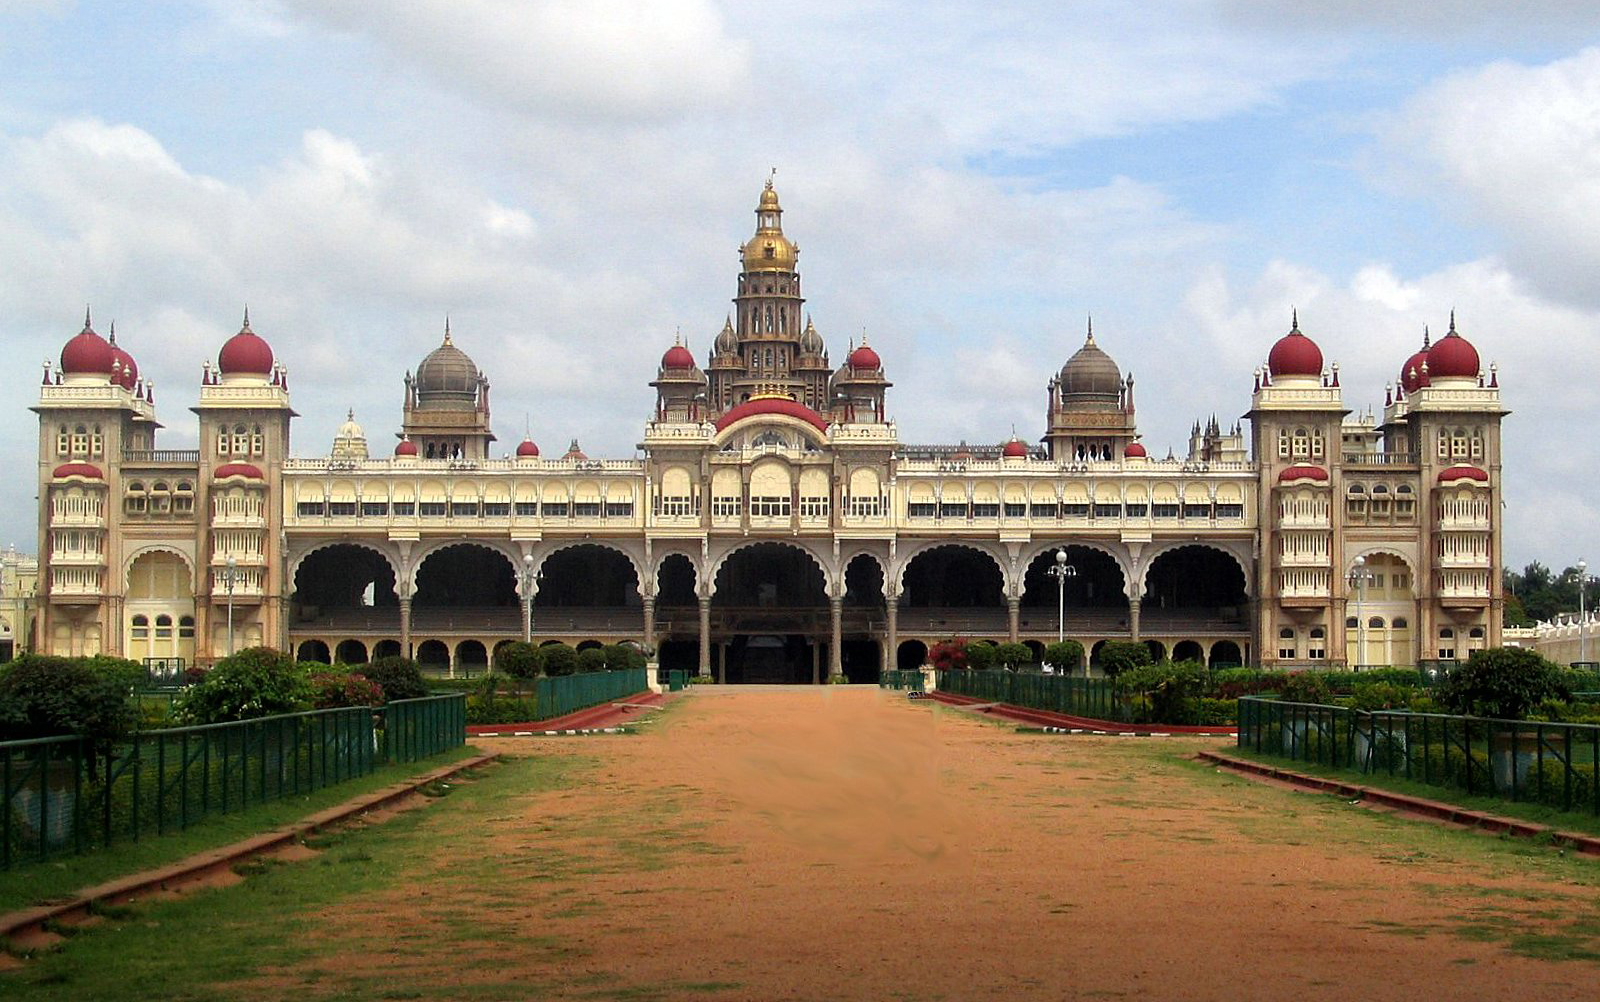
(1302, 471)
(677, 357)
(250, 470)
(246, 353)
(87, 353)
(1295, 354)
(405, 447)
(1134, 451)
(1453, 357)
(864, 358)
(1414, 374)
(1014, 449)
(1463, 473)
(88, 470)
(526, 449)
(123, 365)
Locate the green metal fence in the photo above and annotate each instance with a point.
(570, 693)
(415, 729)
(911, 680)
(1548, 763)
(1086, 697)
(58, 797)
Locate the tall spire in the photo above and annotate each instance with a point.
(1090, 338)
(1426, 336)
(1452, 320)
(1294, 319)
(88, 325)
(246, 325)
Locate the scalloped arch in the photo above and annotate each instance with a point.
(188, 563)
(1123, 558)
(389, 558)
(541, 559)
(976, 546)
(421, 557)
(715, 570)
(1150, 558)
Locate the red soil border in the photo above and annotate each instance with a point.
(608, 714)
(1049, 718)
(1436, 810)
(126, 888)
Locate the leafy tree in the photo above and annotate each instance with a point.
(559, 659)
(1013, 656)
(1065, 656)
(398, 677)
(592, 659)
(1170, 690)
(42, 696)
(949, 655)
(1515, 613)
(624, 657)
(981, 655)
(256, 682)
(1118, 656)
(520, 660)
(1504, 682)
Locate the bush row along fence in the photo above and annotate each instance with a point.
(58, 796)
(1549, 763)
(1088, 697)
(564, 694)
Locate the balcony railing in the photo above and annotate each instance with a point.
(178, 457)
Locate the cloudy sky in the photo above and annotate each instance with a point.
(569, 181)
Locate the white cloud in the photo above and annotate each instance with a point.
(1515, 149)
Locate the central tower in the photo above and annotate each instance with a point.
(768, 348)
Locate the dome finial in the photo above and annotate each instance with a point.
(447, 329)
(350, 415)
(246, 325)
(1452, 320)
(112, 337)
(1090, 338)
(863, 335)
(1294, 319)
(87, 325)
(1427, 337)
(770, 176)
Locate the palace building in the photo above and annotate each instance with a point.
(776, 527)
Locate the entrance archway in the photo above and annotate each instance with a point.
(1226, 654)
(434, 656)
(313, 650)
(1194, 589)
(1188, 650)
(953, 589)
(913, 654)
(770, 615)
(351, 652)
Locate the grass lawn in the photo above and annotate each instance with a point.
(61, 877)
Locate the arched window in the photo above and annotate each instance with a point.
(186, 627)
(80, 442)
(163, 627)
(141, 627)
(1447, 634)
(1375, 623)
(1318, 647)
(1351, 623)
(1287, 648)
(63, 441)
(97, 442)
(1476, 633)
(1302, 443)
(1400, 623)
(257, 442)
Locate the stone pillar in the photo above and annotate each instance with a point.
(705, 636)
(816, 664)
(649, 638)
(892, 658)
(405, 626)
(836, 637)
(1133, 618)
(1013, 618)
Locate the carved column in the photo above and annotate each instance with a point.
(836, 638)
(405, 626)
(1133, 618)
(649, 638)
(891, 659)
(1013, 618)
(705, 636)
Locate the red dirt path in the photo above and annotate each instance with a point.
(849, 844)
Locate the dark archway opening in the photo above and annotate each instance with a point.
(386, 649)
(954, 590)
(586, 590)
(1188, 650)
(466, 576)
(351, 652)
(861, 661)
(346, 587)
(471, 658)
(1194, 589)
(433, 655)
(679, 655)
(1226, 654)
(770, 616)
(1096, 599)
(913, 654)
(1158, 650)
(313, 650)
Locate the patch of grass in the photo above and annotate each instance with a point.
(60, 879)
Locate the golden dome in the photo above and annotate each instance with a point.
(769, 249)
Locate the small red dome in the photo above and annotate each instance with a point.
(1463, 473)
(1134, 451)
(1295, 355)
(773, 405)
(87, 353)
(88, 470)
(405, 447)
(1453, 357)
(250, 470)
(1412, 375)
(677, 357)
(525, 449)
(246, 353)
(1014, 449)
(1302, 471)
(865, 358)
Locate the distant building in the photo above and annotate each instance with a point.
(19, 579)
(774, 526)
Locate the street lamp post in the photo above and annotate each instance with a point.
(1061, 571)
(527, 598)
(1359, 577)
(1583, 626)
(230, 571)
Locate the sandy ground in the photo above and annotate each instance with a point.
(850, 844)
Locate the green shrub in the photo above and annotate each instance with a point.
(624, 657)
(559, 659)
(1503, 682)
(1231, 683)
(256, 682)
(1217, 712)
(1166, 692)
(344, 688)
(1013, 656)
(592, 659)
(398, 677)
(42, 697)
(1381, 696)
(1305, 687)
(129, 676)
(981, 655)
(1064, 656)
(520, 660)
(1118, 656)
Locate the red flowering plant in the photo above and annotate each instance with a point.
(334, 688)
(948, 655)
